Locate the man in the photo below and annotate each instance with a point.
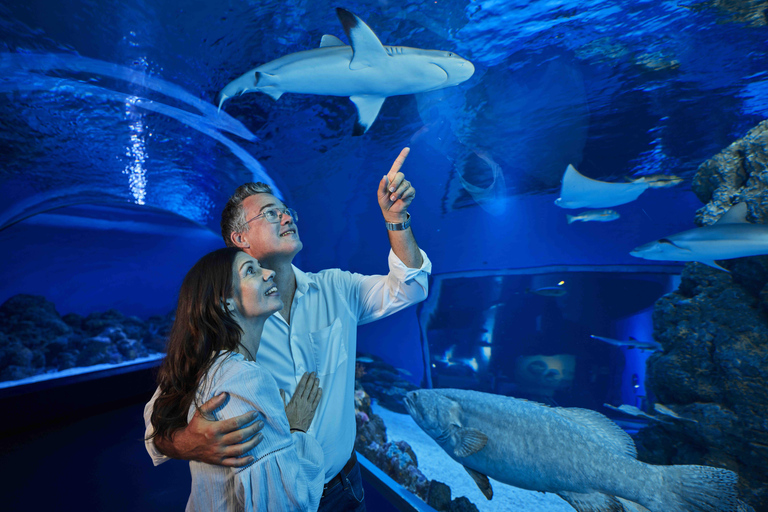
(315, 331)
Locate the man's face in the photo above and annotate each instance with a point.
(265, 240)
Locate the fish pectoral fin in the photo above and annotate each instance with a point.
(482, 482)
(329, 40)
(470, 440)
(367, 110)
(592, 502)
(367, 50)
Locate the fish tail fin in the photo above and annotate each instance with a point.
(570, 218)
(697, 489)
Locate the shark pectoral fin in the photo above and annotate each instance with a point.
(470, 440)
(367, 50)
(482, 482)
(329, 40)
(367, 109)
(592, 502)
(265, 83)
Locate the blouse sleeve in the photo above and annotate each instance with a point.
(288, 470)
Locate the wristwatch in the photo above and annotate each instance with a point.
(399, 226)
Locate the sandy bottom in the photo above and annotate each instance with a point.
(437, 465)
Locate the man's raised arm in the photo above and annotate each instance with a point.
(395, 195)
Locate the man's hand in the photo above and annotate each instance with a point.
(221, 443)
(303, 404)
(395, 192)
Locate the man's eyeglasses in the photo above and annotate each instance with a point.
(275, 215)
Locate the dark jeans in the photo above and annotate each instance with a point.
(348, 496)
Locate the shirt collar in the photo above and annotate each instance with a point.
(303, 280)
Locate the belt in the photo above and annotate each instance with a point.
(340, 476)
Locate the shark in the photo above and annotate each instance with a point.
(578, 191)
(630, 343)
(730, 237)
(579, 454)
(366, 71)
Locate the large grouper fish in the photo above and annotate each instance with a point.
(578, 454)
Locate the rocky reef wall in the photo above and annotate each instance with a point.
(713, 371)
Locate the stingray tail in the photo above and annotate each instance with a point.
(698, 489)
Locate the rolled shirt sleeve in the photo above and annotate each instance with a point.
(382, 296)
(149, 442)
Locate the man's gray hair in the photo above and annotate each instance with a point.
(233, 217)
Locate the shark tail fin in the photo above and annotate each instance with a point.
(696, 488)
(222, 99)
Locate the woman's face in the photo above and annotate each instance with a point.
(254, 293)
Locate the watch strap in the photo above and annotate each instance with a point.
(399, 226)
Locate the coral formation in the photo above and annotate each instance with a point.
(35, 339)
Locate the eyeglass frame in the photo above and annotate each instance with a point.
(281, 211)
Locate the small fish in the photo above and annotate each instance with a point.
(579, 454)
(630, 343)
(364, 360)
(403, 371)
(632, 411)
(657, 180)
(594, 216)
(666, 411)
(548, 291)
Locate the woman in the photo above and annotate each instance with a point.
(223, 304)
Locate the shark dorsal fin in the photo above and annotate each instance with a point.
(482, 482)
(366, 47)
(735, 215)
(329, 40)
(469, 441)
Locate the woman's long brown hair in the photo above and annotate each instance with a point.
(203, 327)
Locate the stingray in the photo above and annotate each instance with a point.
(578, 191)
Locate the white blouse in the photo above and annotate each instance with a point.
(288, 469)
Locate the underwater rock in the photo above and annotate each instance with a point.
(713, 370)
(738, 173)
(714, 330)
(35, 339)
(383, 382)
(32, 320)
(439, 495)
(753, 13)
(461, 504)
